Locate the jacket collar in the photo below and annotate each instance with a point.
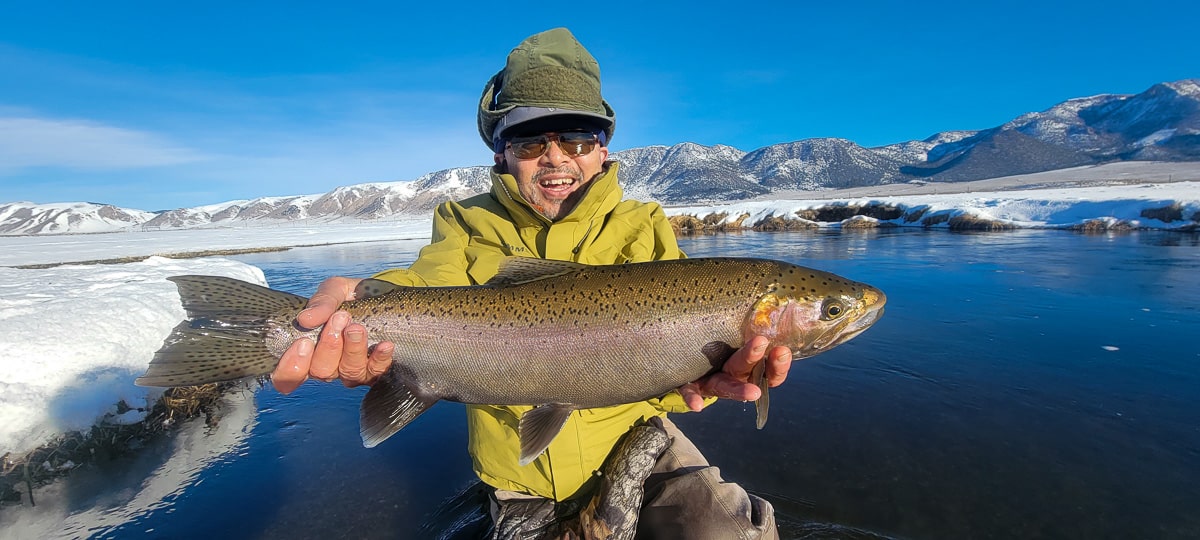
(601, 197)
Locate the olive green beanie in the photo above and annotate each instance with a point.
(548, 75)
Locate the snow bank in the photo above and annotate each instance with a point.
(73, 338)
(1033, 208)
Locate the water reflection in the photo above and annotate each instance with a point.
(105, 501)
(1022, 384)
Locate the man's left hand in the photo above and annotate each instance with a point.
(733, 381)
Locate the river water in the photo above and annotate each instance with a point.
(1028, 384)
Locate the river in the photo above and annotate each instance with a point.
(1027, 384)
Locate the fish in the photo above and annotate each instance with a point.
(557, 335)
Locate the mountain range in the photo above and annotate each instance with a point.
(1159, 124)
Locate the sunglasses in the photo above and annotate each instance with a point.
(572, 143)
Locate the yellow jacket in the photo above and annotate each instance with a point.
(470, 238)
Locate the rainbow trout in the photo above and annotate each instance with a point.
(557, 335)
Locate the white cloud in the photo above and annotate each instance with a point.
(27, 142)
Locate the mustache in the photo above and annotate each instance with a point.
(575, 174)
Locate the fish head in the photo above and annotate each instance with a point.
(811, 311)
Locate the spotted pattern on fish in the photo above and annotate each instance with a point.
(557, 334)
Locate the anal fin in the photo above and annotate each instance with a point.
(539, 426)
(388, 407)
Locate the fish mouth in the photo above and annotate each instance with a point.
(873, 302)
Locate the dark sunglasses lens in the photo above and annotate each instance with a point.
(577, 144)
(573, 144)
(529, 147)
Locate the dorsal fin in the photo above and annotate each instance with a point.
(517, 270)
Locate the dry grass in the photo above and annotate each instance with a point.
(841, 212)
(1166, 214)
(915, 214)
(976, 223)
(863, 222)
(935, 219)
(686, 224)
(105, 441)
(180, 255)
(783, 223)
(1102, 225)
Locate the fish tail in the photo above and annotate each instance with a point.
(224, 337)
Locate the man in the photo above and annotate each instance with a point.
(554, 195)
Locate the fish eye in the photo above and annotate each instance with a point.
(832, 310)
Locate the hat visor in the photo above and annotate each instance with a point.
(531, 120)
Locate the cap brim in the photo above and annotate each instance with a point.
(543, 119)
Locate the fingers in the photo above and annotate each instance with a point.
(341, 350)
(779, 361)
(353, 366)
(326, 301)
(726, 386)
(359, 363)
(692, 396)
(733, 381)
(380, 360)
(742, 362)
(328, 352)
(292, 369)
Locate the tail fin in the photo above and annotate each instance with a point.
(224, 338)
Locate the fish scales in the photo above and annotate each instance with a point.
(553, 334)
(641, 326)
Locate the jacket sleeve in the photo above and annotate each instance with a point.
(666, 247)
(441, 263)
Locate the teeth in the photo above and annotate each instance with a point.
(557, 182)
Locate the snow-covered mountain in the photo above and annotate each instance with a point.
(360, 201)
(80, 217)
(1160, 124)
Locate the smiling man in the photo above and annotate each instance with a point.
(555, 196)
(553, 169)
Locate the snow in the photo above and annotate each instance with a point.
(73, 337)
(75, 248)
(1041, 208)
(1156, 137)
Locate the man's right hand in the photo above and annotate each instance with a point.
(341, 351)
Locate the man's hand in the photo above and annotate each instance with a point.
(733, 381)
(341, 350)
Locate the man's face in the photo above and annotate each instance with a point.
(554, 181)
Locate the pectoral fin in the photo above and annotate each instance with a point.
(759, 376)
(389, 406)
(539, 427)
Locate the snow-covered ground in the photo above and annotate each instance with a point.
(73, 337)
(1058, 207)
(50, 249)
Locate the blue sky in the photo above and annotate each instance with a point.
(158, 105)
